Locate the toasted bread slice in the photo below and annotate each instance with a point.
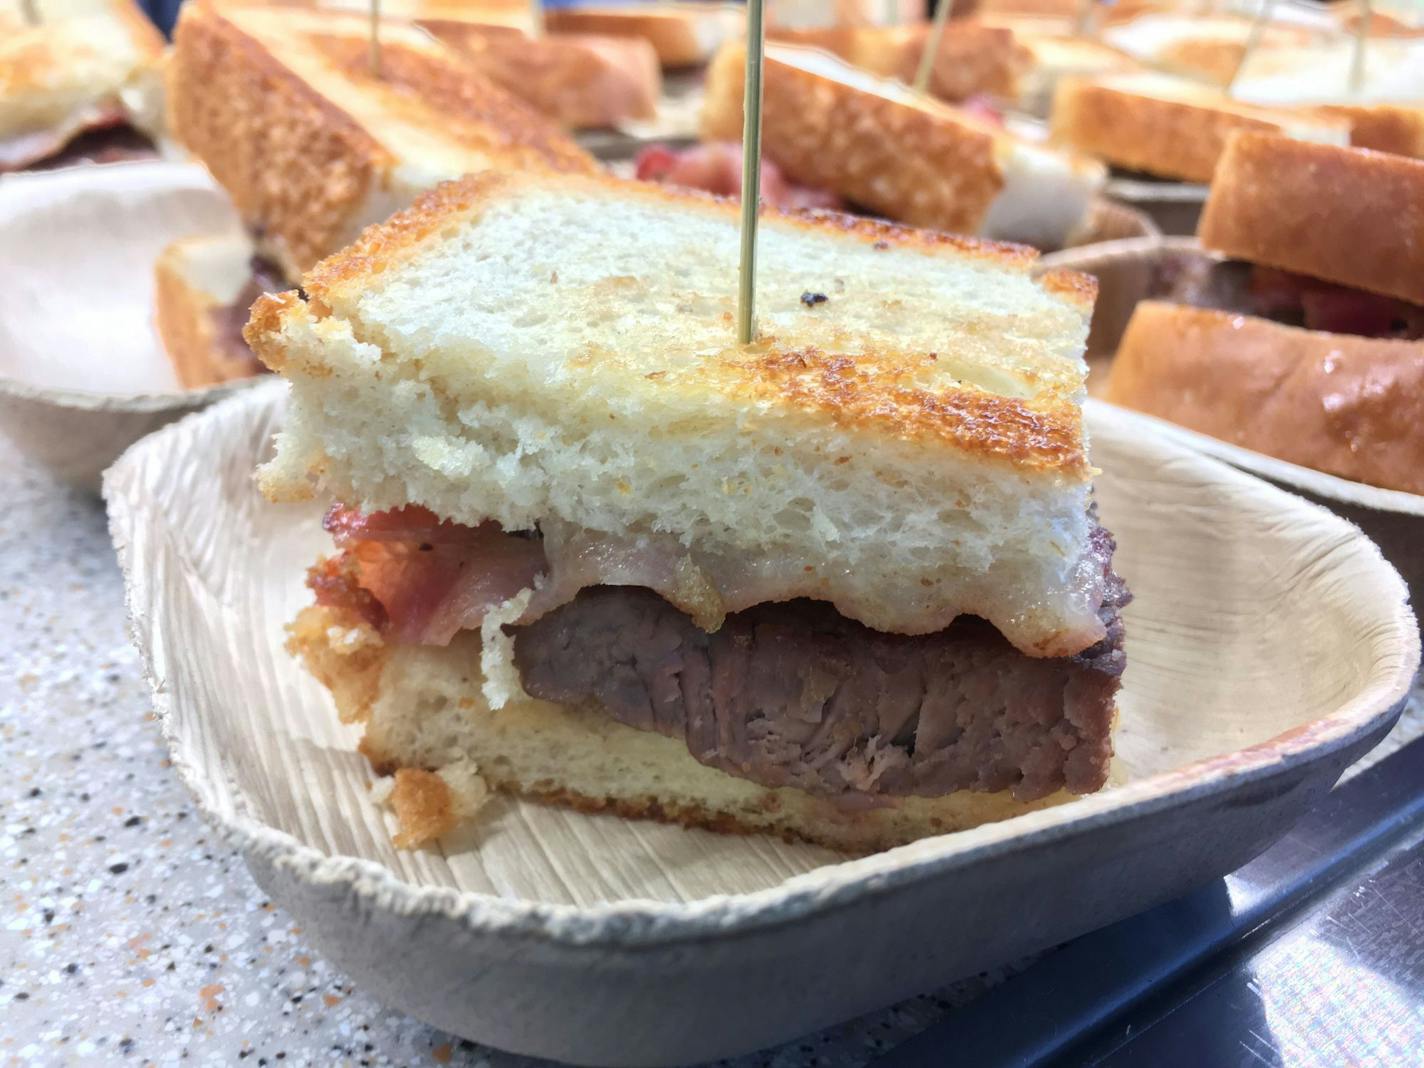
(1209, 47)
(973, 58)
(1347, 215)
(199, 288)
(1346, 405)
(282, 107)
(579, 80)
(905, 441)
(682, 34)
(1397, 128)
(427, 720)
(1169, 127)
(84, 67)
(894, 152)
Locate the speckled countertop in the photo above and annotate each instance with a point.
(129, 933)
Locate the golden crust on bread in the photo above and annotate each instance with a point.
(1346, 215)
(1151, 124)
(1397, 128)
(74, 70)
(1349, 406)
(579, 80)
(901, 155)
(288, 118)
(184, 317)
(877, 391)
(581, 758)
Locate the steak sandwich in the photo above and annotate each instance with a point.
(84, 84)
(281, 106)
(1299, 332)
(890, 151)
(845, 583)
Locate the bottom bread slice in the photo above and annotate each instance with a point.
(426, 721)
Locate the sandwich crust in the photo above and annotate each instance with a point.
(1162, 128)
(886, 150)
(1345, 405)
(275, 112)
(1397, 128)
(1345, 215)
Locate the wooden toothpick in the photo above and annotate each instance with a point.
(932, 42)
(1253, 39)
(751, 172)
(30, 12)
(376, 38)
(1085, 16)
(1357, 58)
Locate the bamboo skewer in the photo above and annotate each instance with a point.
(751, 172)
(1253, 40)
(375, 38)
(1357, 57)
(30, 12)
(1083, 18)
(932, 42)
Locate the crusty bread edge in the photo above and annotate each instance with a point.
(1168, 138)
(221, 80)
(1346, 215)
(401, 236)
(908, 161)
(1290, 393)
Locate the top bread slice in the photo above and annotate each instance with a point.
(682, 34)
(1168, 126)
(1346, 215)
(897, 153)
(905, 435)
(281, 105)
(85, 65)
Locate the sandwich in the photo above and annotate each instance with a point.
(844, 584)
(1168, 127)
(281, 106)
(1300, 332)
(82, 84)
(1207, 47)
(581, 81)
(682, 34)
(973, 59)
(264, 91)
(890, 151)
(203, 288)
(1385, 110)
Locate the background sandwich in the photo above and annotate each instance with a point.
(593, 548)
(281, 106)
(1304, 339)
(1169, 127)
(82, 84)
(890, 151)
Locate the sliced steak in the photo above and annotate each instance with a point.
(794, 694)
